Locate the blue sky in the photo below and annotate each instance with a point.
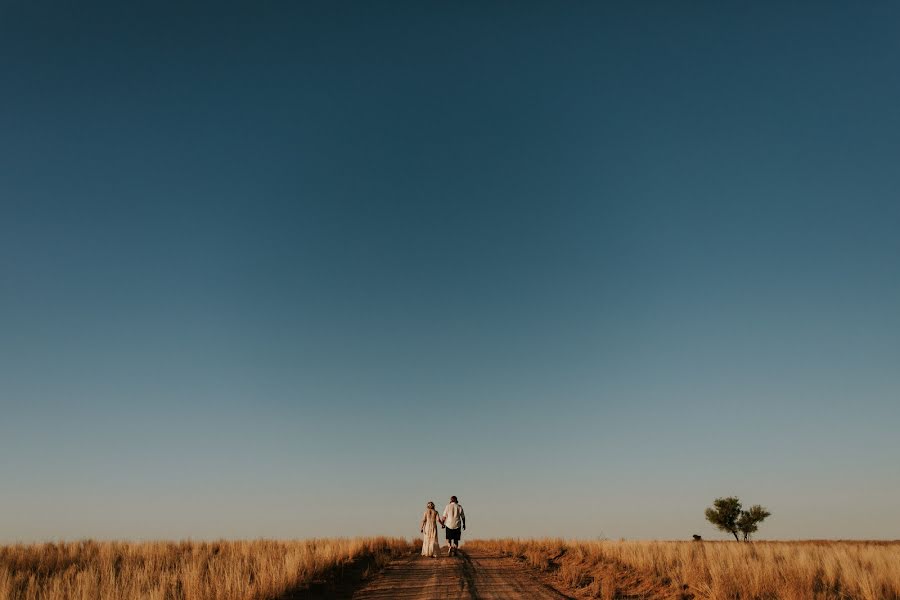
(284, 270)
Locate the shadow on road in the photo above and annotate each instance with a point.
(338, 584)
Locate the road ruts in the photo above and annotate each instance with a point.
(467, 577)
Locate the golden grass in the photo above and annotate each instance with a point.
(241, 570)
(815, 570)
(268, 570)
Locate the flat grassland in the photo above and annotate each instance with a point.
(806, 570)
(281, 570)
(241, 570)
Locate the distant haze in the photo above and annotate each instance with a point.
(294, 269)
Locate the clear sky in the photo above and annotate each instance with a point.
(294, 269)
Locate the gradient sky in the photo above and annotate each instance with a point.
(293, 269)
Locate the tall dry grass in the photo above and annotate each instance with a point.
(241, 570)
(815, 570)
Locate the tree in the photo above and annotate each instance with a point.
(726, 514)
(749, 520)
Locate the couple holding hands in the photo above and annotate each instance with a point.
(453, 519)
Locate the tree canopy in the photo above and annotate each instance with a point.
(749, 520)
(727, 514)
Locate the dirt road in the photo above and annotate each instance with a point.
(468, 577)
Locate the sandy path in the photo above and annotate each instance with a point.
(468, 577)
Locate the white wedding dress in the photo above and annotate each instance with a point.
(430, 544)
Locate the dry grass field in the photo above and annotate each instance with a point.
(282, 570)
(243, 570)
(814, 570)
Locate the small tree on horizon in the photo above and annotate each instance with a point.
(749, 520)
(726, 515)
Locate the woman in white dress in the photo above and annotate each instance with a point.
(430, 520)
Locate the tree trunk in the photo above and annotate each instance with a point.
(736, 538)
